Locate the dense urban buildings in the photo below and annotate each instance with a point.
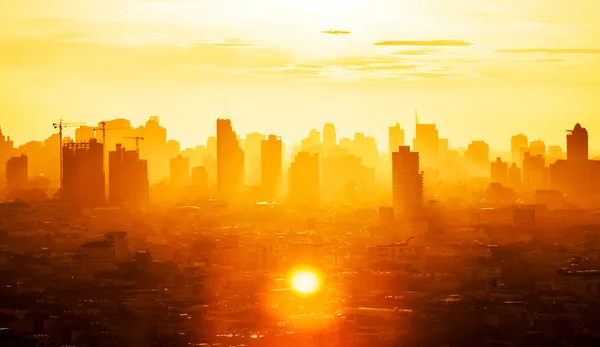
(303, 179)
(17, 172)
(127, 178)
(271, 168)
(180, 171)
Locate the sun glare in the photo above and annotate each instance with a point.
(305, 282)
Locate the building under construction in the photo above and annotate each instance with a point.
(127, 178)
(83, 173)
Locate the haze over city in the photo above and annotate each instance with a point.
(299, 173)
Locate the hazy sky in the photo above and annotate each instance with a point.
(480, 69)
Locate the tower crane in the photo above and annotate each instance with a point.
(102, 127)
(137, 141)
(60, 125)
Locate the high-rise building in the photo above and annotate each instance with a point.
(499, 172)
(180, 171)
(252, 152)
(6, 148)
(303, 181)
(17, 172)
(536, 148)
(230, 161)
(535, 174)
(555, 153)
(395, 138)
(426, 143)
(407, 183)
(577, 144)
(83, 173)
(199, 179)
(271, 167)
(518, 146)
(514, 176)
(443, 148)
(127, 178)
(478, 155)
(154, 149)
(84, 133)
(329, 136)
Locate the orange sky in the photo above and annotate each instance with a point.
(479, 69)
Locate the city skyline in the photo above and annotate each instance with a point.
(283, 65)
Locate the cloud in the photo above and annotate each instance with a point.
(429, 43)
(385, 67)
(550, 60)
(415, 52)
(335, 32)
(227, 43)
(550, 51)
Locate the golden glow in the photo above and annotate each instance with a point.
(305, 282)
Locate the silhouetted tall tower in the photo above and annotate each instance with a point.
(271, 167)
(127, 178)
(329, 136)
(426, 143)
(395, 138)
(230, 161)
(17, 172)
(478, 155)
(407, 183)
(83, 173)
(537, 147)
(252, 150)
(180, 171)
(303, 182)
(535, 174)
(200, 179)
(499, 172)
(577, 144)
(518, 146)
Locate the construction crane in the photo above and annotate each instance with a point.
(102, 127)
(137, 141)
(60, 125)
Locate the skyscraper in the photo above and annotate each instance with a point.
(199, 179)
(83, 173)
(537, 147)
(252, 153)
(478, 155)
(230, 161)
(154, 148)
(535, 174)
(271, 167)
(303, 182)
(329, 136)
(499, 172)
(577, 144)
(407, 183)
(180, 171)
(395, 138)
(426, 143)
(16, 172)
(127, 178)
(514, 176)
(518, 146)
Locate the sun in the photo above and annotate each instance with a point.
(305, 282)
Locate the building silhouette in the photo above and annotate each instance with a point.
(514, 176)
(499, 172)
(555, 153)
(83, 173)
(154, 148)
(84, 133)
(252, 154)
(535, 174)
(230, 161)
(127, 178)
(443, 148)
(407, 183)
(577, 144)
(271, 168)
(426, 143)
(395, 138)
(537, 147)
(180, 171)
(478, 156)
(303, 181)
(17, 173)
(200, 179)
(519, 144)
(329, 136)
